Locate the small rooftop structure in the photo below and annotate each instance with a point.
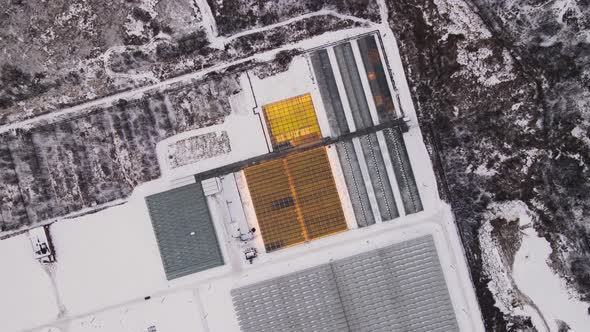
(184, 231)
(42, 246)
(211, 186)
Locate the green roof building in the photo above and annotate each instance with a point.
(184, 231)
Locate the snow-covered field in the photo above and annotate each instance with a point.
(26, 293)
(174, 312)
(108, 262)
(528, 286)
(97, 250)
(533, 276)
(108, 294)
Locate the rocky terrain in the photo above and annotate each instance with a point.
(56, 52)
(551, 39)
(503, 97)
(97, 48)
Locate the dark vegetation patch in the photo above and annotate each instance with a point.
(556, 56)
(466, 125)
(280, 64)
(61, 167)
(41, 91)
(16, 85)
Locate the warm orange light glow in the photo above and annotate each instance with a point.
(292, 121)
(295, 199)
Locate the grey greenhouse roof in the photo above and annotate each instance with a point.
(184, 231)
(397, 288)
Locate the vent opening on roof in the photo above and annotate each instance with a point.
(283, 203)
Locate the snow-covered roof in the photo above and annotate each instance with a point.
(397, 288)
(184, 231)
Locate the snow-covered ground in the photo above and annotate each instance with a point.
(96, 250)
(243, 128)
(108, 262)
(529, 287)
(197, 148)
(174, 312)
(26, 293)
(547, 290)
(108, 294)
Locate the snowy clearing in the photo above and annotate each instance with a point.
(547, 290)
(529, 287)
(27, 292)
